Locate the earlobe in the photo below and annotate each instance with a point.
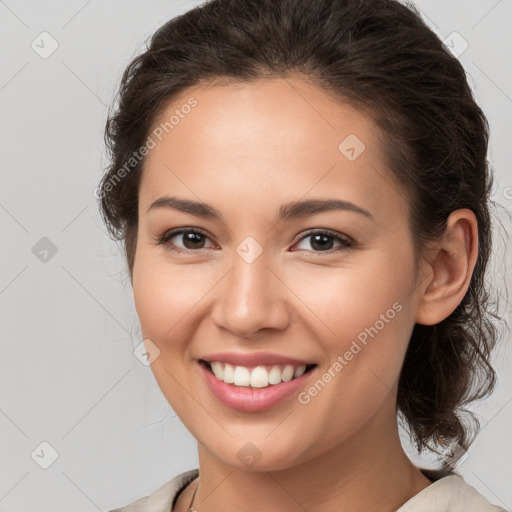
(452, 264)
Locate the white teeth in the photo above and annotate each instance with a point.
(274, 376)
(299, 371)
(217, 369)
(229, 374)
(241, 377)
(287, 373)
(259, 377)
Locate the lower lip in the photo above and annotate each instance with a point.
(247, 399)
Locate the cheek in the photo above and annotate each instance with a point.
(363, 317)
(163, 300)
(171, 299)
(346, 300)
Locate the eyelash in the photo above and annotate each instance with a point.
(164, 240)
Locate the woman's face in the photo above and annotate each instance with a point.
(256, 280)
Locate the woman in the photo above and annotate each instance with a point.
(302, 192)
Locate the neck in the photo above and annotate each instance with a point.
(368, 472)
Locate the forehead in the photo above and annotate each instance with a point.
(272, 139)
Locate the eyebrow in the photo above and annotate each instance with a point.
(291, 210)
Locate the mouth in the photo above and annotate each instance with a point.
(261, 376)
(257, 388)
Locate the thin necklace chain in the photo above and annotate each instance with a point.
(190, 507)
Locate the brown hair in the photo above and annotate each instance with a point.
(381, 57)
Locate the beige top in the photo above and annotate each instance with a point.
(446, 494)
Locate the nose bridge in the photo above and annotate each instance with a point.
(251, 297)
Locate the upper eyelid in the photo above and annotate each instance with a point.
(343, 239)
(180, 231)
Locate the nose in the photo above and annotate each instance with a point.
(250, 298)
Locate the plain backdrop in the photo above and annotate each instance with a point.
(73, 397)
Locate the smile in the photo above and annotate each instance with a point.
(257, 377)
(273, 383)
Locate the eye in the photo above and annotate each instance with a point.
(191, 238)
(323, 241)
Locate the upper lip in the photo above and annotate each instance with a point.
(254, 359)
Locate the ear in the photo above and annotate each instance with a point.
(451, 263)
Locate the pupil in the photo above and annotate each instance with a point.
(193, 240)
(320, 240)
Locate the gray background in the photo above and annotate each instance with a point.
(68, 375)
